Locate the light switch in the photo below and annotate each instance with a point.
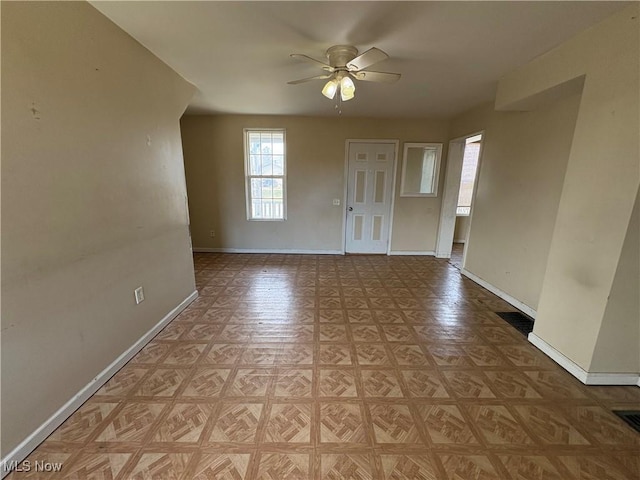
(139, 295)
(336, 202)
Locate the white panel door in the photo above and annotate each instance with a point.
(369, 191)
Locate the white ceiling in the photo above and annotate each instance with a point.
(450, 54)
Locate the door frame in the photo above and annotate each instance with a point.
(348, 142)
(447, 223)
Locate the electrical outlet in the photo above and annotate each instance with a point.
(212, 233)
(336, 202)
(139, 295)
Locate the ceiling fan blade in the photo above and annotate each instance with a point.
(368, 58)
(377, 76)
(302, 80)
(323, 65)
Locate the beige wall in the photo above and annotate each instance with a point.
(462, 228)
(93, 203)
(214, 165)
(620, 329)
(602, 177)
(522, 168)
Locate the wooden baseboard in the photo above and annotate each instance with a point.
(284, 251)
(429, 253)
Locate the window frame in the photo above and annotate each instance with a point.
(248, 176)
(435, 171)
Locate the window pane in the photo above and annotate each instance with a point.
(278, 191)
(254, 143)
(279, 209)
(265, 140)
(256, 208)
(278, 165)
(267, 164)
(255, 168)
(256, 189)
(267, 188)
(278, 143)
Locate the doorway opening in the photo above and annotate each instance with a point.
(470, 159)
(457, 206)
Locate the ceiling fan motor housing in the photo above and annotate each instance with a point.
(340, 55)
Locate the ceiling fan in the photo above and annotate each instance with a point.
(344, 66)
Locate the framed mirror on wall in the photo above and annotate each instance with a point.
(420, 169)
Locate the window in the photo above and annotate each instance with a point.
(468, 178)
(265, 174)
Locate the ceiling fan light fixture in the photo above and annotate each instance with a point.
(330, 88)
(347, 88)
(343, 67)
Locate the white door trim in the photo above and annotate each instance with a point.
(447, 223)
(347, 144)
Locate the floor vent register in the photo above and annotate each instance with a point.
(518, 320)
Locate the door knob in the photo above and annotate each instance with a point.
(350, 209)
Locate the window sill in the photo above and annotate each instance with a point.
(266, 219)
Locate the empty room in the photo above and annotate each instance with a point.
(320, 240)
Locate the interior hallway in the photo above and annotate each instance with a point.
(457, 254)
(343, 367)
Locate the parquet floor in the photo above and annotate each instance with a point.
(457, 254)
(330, 367)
